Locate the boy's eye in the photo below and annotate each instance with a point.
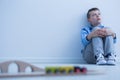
(99, 14)
(95, 14)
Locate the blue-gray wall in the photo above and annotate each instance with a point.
(49, 30)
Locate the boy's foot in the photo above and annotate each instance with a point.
(111, 60)
(101, 60)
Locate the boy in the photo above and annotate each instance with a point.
(98, 40)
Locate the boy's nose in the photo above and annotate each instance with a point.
(98, 16)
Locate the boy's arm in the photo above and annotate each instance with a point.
(84, 34)
(94, 33)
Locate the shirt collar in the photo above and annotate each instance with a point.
(100, 25)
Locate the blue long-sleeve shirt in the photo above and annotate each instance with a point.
(87, 30)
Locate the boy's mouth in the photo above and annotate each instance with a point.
(98, 19)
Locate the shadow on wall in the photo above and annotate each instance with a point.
(83, 22)
(74, 45)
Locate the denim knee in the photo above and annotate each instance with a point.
(96, 28)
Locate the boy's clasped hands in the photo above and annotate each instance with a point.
(102, 32)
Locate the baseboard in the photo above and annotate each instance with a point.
(48, 60)
(45, 60)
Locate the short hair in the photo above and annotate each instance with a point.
(92, 9)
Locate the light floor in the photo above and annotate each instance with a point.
(108, 73)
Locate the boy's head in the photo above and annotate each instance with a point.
(94, 16)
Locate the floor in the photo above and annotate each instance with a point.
(108, 73)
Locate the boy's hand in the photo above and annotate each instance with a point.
(96, 33)
(101, 33)
(109, 32)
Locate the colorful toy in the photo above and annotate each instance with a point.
(65, 69)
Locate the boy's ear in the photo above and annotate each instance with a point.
(88, 19)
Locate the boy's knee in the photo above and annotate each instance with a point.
(107, 27)
(96, 28)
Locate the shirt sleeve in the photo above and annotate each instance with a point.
(84, 33)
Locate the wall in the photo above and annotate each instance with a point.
(49, 30)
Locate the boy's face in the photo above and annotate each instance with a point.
(95, 17)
